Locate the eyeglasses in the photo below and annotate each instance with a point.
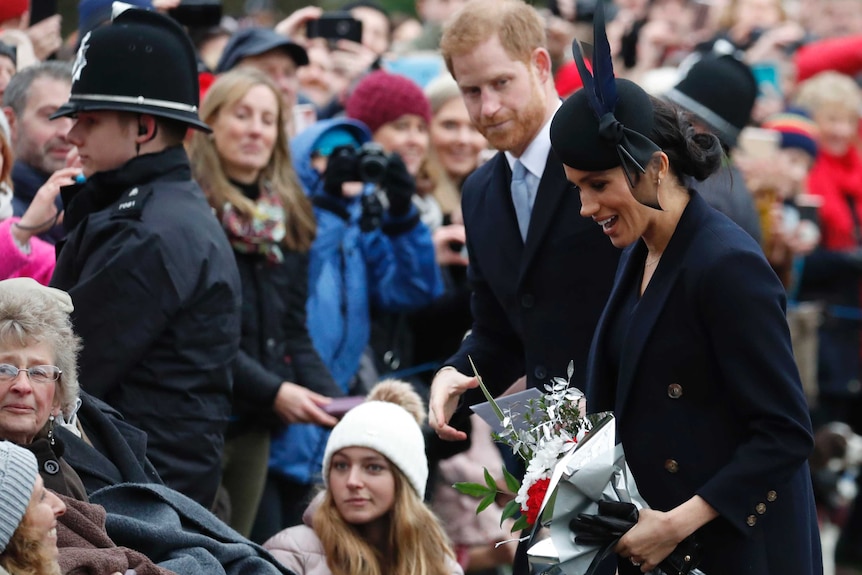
(37, 373)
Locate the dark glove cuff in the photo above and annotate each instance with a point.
(330, 204)
(400, 226)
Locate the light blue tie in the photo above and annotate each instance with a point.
(523, 196)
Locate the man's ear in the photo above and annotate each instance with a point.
(145, 129)
(541, 61)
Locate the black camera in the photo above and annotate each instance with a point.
(365, 164)
(372, 161)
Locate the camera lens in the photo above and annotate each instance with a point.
(372, 163)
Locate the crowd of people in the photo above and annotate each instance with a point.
(249, 263)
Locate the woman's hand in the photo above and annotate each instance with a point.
(650, 541)
(42, 213)
(296, 404)
(657, 533)
(294, 25)
(45, 36)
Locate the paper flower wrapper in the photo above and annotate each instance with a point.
(595, 471)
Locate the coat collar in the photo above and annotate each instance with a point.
(104, 188)
(651, 303)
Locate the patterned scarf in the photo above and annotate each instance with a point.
(263, 232)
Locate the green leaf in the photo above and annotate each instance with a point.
(512, 483)
(473, 489)
(489, 499)
(496, 408)
(510, 510)
(490, 481)
(520, 524)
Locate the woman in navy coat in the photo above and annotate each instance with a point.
(692, 352)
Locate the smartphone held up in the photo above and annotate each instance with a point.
(335, 26)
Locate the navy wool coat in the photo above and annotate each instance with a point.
(535, 304)
(708, 399)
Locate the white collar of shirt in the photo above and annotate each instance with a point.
(535, 156)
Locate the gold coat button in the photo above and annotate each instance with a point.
(771, 496)
(751, 520)
(760, 508)
(674, 391)
(671, 466)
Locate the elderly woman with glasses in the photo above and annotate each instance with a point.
(38, 373)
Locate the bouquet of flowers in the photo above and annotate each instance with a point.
(540, 428)
(577, 482)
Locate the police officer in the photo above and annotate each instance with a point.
(151, 275)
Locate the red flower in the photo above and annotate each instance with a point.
(535, 496)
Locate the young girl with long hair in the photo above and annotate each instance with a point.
(371, 519)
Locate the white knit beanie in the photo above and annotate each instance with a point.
(388, 429)
(18, 471)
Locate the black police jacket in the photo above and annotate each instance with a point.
(156, 295)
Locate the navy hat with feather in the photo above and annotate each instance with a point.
(605, 124)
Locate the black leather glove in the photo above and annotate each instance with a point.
(341, 167)
(611, 523)
(399, 186)
(372, 213)
(614, 519)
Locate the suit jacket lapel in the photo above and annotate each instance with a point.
(552, 187)
(655, 297)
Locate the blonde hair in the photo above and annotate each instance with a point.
(227, 90)
(829, 89)
(442, 188)
(727, 17)
(8, 159)
(517, 24)
(25, 553)
(416, 543)
(440, 91)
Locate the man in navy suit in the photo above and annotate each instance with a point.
(540, 273)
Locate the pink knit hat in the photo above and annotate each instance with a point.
(382, 97)
(10, 9)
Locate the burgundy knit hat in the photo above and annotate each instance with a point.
(382, 97)
(10, 9)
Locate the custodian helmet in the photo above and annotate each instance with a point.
(143, 62)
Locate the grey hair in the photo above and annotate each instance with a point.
(15, 96)
(441, 90)
(28, 317)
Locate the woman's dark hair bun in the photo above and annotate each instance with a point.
(690, 152)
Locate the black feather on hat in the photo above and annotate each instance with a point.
(604, 125)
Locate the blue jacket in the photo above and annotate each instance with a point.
(392, 268)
